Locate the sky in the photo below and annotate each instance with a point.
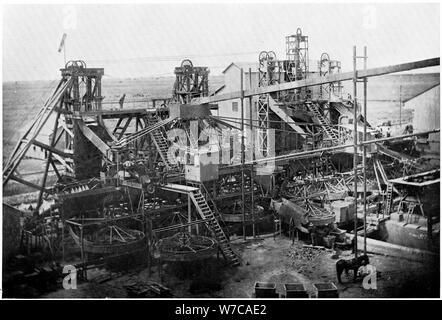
(143, 40)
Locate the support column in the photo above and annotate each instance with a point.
(83, 270)
(355, 151)
(252, 147)
(364, 155)
(189, 213)
(243, 198)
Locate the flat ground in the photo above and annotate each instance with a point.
(278, 261)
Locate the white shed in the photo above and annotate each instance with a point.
(232, 82)
(426, 115)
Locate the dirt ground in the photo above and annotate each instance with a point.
(279, 261)
(270, 261)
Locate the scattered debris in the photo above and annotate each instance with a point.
(302, 256)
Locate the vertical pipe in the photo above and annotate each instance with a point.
(243, 198)
(83, 269)
(189, 213)
(355, 151)
(364, 155)
(252, 148)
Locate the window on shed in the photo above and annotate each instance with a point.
(235, 106)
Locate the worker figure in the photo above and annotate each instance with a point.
(379, 208)
(388, 131)
(161, 173)
(408, 129)
(121, 102)
(292, 231)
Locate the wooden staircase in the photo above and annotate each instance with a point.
(325, 124)
(207, 213)
(389, 198)
(162, 147)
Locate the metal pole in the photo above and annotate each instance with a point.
(243, 198)
(83, 270)
(364, 155)
(400, 106)
(251, 145)
(355, 151)
(189, 213)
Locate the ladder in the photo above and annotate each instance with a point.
(325, 124)
(411, 207)
(389, 201)
(212, 204)
(162, 147)
(206, 213)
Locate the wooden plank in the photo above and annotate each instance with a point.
(92, 137)
(66, 129)
(178, 188)
(90, 192)
(282, 113)
(55, 168)
(63, 162)
(323, 80)
(123, 129)
(29, 184)
(52, 149)
(114, 114)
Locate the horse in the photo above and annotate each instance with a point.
(352, 264)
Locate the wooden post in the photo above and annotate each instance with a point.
(364, 155)
(251, 144)
(83, 271)
(355, 150)
(243, 198)
(189, 213)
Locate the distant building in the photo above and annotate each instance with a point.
(232, 83)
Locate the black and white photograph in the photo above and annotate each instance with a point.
(220, 150)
